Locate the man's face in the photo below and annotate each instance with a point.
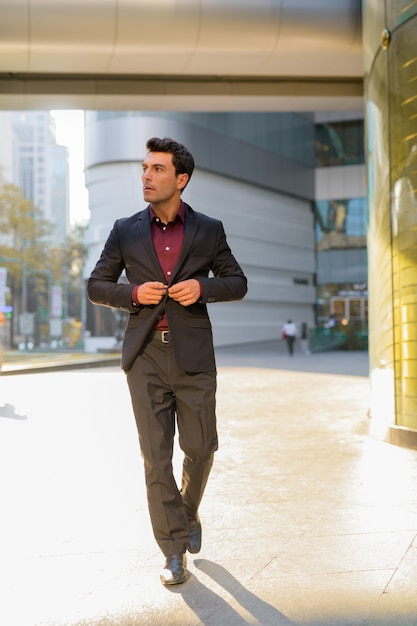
(160, 183)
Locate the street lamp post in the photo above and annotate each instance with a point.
(7, 259)
(25, 273)
(24, 303)
(49, 283)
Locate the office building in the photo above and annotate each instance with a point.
(258, 173)
(32, 160)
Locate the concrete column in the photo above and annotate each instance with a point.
(389, 30)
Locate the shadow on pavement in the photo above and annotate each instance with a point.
(9, 410)
(259, 611)
(273, 355)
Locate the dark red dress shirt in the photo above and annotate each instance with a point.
(167, 240)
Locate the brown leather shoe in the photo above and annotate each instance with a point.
(175, 570)
(194, 535)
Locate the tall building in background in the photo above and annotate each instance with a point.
(32, 160)
(59, 190)
(290, 189)
(6, 146)
(254, 171)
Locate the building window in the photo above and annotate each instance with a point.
(341, 223)
(340, 143)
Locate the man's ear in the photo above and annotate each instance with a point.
(182, 180)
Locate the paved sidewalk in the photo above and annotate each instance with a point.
(23, 362)
(271, 354)
(307, 520)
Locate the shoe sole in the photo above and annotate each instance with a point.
(193, 551)
(169, 583)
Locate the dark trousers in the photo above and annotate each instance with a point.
(163, 395)
(290, 339)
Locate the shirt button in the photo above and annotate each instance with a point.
(167, 248)
(169, 273)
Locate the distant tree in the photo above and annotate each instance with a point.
(68, 259)
(23, 235)
(33, 262)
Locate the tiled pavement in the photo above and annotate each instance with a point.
(306, 518)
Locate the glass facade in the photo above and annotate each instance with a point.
(243, 178)
(341, 231)
(341, 223)
(290, 135)
(340, 143)
(391, 118)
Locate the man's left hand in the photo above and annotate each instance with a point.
(185, 292)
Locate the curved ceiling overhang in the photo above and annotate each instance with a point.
(181, 54)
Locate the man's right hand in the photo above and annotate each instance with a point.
(151, 293)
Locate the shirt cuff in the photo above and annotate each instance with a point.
(135, 300)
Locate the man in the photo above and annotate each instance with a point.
(289, 333)
(168, 251)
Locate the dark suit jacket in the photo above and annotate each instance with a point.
(130, 248)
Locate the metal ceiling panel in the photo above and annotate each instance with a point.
(81, 43)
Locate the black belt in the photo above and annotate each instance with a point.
(162, 335)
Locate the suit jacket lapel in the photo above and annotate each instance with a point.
(190, 229)
(145, 235)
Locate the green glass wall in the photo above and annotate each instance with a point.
(390, 44)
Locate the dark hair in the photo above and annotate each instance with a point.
(182, 159)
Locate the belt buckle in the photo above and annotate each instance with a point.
(163, 336)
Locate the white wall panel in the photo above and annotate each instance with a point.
(272, 237)
(335, 183)
(270, 233)
(114, 191)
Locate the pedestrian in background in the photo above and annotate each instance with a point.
(289, 333)
(331, 322)
(176, 261)
(304, 338)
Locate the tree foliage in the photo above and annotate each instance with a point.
(27, 247)
(67, 260)
(23, 233)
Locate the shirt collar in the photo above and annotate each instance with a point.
(180, 215)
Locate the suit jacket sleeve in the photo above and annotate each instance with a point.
(103, 286)
(228, 281)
